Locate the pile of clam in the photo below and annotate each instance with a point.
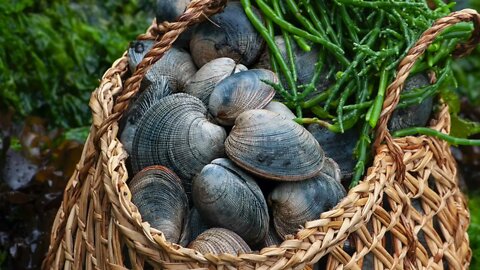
(217, 165)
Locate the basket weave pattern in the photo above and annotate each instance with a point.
(407, 213)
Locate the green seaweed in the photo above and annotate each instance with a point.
(55, 52)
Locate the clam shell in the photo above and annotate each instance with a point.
(240, 92)
(130, 122)
(306, 63)
(227, 197)
(331, 168)
(415, 115)
(271, 146)
(227, 34)
(219, 241)
(196, 224)
(279, 107)
(294, 203)
(137, 51)
(169, 10)
(208, 76)
(177, 65)
(272, 238)
(338, 146)
(161, 200)
(176, 133)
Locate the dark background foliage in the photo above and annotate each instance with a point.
(55, 52)
(52, 56)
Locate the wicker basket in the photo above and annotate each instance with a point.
(97, 223)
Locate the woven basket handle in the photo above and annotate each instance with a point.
(393, 91)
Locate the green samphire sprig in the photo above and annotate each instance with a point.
(360, 44)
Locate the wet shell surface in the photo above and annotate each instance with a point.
(415, 115)
(177, 65)
(219, 241)
(196, 224)
(269, 145)
(161, 200)
(169, 10)
(331, 169)
(207, 77)
(227, 34)
(137, 51)
(272, 238)
(130, 122)
(240, 92)
(229, 198)
(294, 203)
(176, 133)
(279, 107)
(339, 146)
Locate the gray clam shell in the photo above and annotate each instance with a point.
(146, 99)
(208, 76)
(279, 107)
(271, 146)
(227, 34)
(176, 133)
(240, 92)
(196, 224)
(177, 65)
(272, 238)
(305, 63)
(415, 115)
(331, 168)
(227, 197)
(294, 203)
(219, 241)
(161, 200)
(137, 51)
(169, 10)
(339, 146)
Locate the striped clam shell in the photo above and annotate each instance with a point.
(294, 203)
(240, 92)
(208, 76)
(177, 65)
(219, 241)
(176, 133)
(161, 200)
(227, 197)
(279, 107)
(130, 122)
(196, 224)
(227, 34)
(269, 145)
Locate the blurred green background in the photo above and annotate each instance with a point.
(52, 56)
